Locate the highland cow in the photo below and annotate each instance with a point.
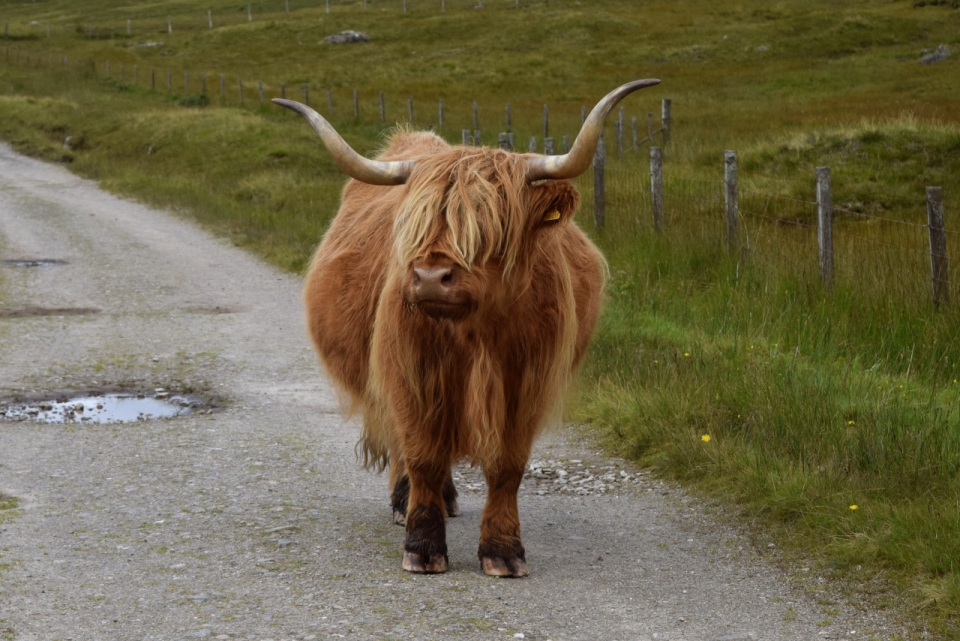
(451, 299)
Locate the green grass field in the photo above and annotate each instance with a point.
(814, 399)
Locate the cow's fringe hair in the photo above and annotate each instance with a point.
(478, 192)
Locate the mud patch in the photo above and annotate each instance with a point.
(31, 312)
(104, 408)
(34, 262)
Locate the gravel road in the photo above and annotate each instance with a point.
(254, 521)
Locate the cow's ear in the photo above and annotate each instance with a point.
(554, 203)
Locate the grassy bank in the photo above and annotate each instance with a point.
(814, 400)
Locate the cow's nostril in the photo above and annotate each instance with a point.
(447, 279)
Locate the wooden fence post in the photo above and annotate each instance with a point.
(599, 196)
(731, 197)
(477, 141)
(128, 26)
(410, 107)
(938, 247)
(440, 113)
(465, 137)
(249, 13)
(509, 118)
(665, 120)
(620, 135)
(532, 147)
(356, 103)
(503, 141)
(565, 145)
(633, 129)
(476, 115)
(825, 225)
(383, 109)
(548, 146)
(209, 19)
(656, 186)
(328, 6)
(153, 78)
(169, 25)
(510, 136)
(286, 5)
(169, 80)
(260, 91)
(283, 90)
(546, 122)
(306, 95)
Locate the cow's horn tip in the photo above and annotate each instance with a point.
(289, 104)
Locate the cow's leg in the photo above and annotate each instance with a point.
(399, 488)
(400, 492)
(501, 551)
(450, 495)
(425, 549)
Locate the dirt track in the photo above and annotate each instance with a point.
(254, 521)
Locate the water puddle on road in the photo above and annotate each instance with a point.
(102, 408)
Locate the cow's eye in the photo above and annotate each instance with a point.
(552, 216)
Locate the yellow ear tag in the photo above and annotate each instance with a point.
(553, 215)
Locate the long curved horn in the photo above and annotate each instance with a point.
(373, 172)
(574, 163)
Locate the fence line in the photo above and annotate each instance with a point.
(360, 108)
(722, 208)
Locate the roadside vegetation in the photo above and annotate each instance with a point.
(830, 416)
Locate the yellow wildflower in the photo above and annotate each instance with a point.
(705, 438)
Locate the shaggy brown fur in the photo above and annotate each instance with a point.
(473, 373)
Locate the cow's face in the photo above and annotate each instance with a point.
(469, 229)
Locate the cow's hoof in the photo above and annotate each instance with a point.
(499, 566)
(453, 508)
(399, 518)
(413, 562)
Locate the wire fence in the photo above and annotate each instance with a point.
(882, 258)
(894, 259)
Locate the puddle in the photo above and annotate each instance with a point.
(102, 408)
(39, 262)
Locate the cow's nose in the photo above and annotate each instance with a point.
(433, 283)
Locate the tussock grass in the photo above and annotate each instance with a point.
(814, 399)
